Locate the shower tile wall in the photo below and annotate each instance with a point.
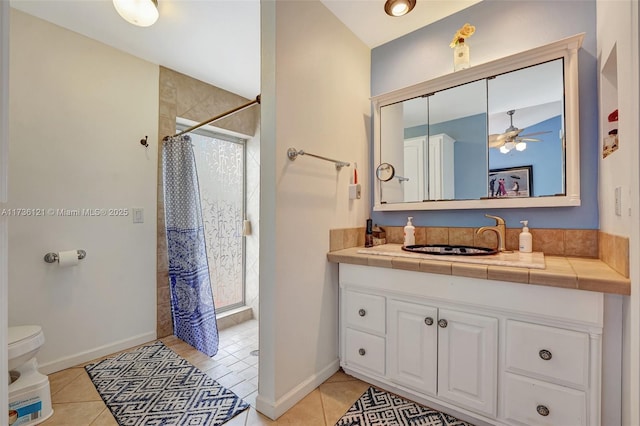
(183, 96)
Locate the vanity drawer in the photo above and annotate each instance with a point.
(365, 311)
(531, 402)
(365, 350)
(548, 353)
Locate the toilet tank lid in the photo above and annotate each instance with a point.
(23, 332)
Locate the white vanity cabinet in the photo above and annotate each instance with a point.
(445, 353)
(495, 352)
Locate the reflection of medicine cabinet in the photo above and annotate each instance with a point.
(429, 168)
(609, 103)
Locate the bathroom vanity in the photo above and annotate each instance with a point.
(499, 352)
(491, 350)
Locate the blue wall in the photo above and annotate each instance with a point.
(502, 28)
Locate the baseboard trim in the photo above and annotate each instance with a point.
(274, 409)
(86, 356)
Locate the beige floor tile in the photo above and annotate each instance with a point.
(239, 420)
(75, 414)
(337, 397)
(105, 419)
(256, 419)
(307, 412)
(340, 376)
(59, 380)
(81, 389)
(243, 389)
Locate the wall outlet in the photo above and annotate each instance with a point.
(354, 191)
(618, 201)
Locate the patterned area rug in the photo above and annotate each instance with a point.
(152, 385)
(379, 408)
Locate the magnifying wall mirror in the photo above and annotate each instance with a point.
(385, 172)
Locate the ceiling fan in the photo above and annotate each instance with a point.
(511, 138)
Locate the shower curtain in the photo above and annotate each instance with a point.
(192, 308)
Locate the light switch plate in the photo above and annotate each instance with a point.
(138, 215)
(618, 201)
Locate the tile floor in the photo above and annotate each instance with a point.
(77, 403)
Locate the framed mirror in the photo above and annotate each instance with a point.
(498, 135)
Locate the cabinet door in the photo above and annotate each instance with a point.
(412, 347)
(468, 359)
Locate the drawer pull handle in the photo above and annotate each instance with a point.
(428, 321)
(542, 410)
(361, 351)
(362, 312)
(545, 354)
(443, 323)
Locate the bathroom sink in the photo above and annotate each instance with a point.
(445, 249)
(455, 254)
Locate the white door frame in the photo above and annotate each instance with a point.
(4, 142)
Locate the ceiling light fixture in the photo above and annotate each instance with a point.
(399, 7)
(509, 145)
(142, 13)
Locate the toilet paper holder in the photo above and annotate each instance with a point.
(53, 257)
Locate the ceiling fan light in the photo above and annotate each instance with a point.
(399, 7)
(504, 149)
(521, 146)
(142, 13)
(510, 145)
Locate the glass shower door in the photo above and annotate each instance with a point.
(221, 176)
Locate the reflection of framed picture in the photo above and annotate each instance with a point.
(511, 182)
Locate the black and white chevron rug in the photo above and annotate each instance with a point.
(152, 385)
(379, 408)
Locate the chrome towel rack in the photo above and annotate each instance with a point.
(293, 153)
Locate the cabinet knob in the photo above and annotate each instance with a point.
(362, 312)
(542, 410)
(443, 323)
(361, 351)
(428, 321)
(545, 354)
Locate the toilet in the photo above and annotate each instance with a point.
(29, 393)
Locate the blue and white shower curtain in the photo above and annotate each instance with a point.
(192, 307)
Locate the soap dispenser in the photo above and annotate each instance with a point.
(526, 240)
(409, 233)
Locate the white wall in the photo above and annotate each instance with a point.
(78, 111)
(617, 25)
(315, 91)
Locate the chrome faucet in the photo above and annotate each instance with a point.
(499, 229)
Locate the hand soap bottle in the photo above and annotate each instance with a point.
(409, 233)
(526, 240)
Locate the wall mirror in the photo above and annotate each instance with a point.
(498, 135)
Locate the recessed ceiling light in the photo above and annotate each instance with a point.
(399, 7)
(142, 13)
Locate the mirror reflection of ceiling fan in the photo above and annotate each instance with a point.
(511, 138)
